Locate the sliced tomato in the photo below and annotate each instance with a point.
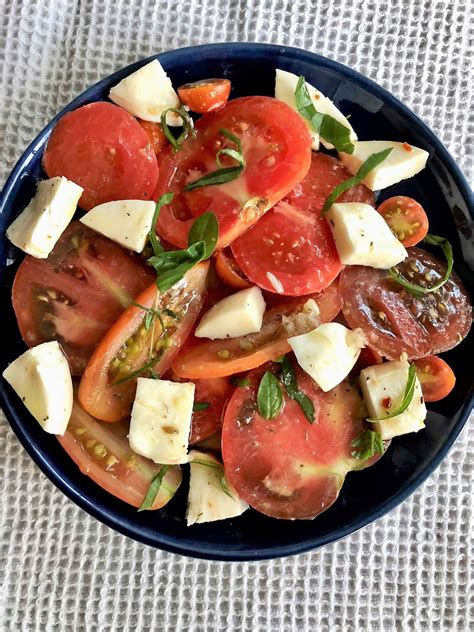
(229, 271)
(107, 388)
(219, 358)
(156, 136)
(206, 95)
(77, 293)
(102, 452)
(291, 250)
(286, 467)
(395, 321)
(407, 219)
(367, 357)
(277, 150)
(436, 377)
(102, 148)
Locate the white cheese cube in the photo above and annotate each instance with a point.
(37, 229)
(385, 384)
(328, 353)
(285, 86)
(161, 420)
(207, 500)
(146, 93)
(42, 379)
(404, 162)
(127, 222)
(236, 315)
(363, 237)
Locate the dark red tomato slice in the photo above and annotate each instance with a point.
(102, 452)
(229, 271)
(287, 467)
(277, 151)
(436, 377)
(367, 357)
(220, 358)
(155, 134)
(406, 218)
(102, 148)
(77, 293)
(108, 386)
(206, 95)
(395, 321)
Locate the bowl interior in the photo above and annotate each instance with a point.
(366, 495)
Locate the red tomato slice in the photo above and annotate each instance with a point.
(406, 218)
(367, 357)
(102, 452)
(291, 250)
(287, 467)
(395, 321)
(206, 95)
(156, 136)
(103, 149)
(130, 345)
(229, 271)
(77, 293)
(277, 151)
(219, 358)
(436, 377)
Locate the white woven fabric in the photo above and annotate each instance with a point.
(60, 570)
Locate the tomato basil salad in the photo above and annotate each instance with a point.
(212, 282)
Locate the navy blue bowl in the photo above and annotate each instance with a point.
(441, 189)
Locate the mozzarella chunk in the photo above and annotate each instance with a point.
(363, 237)
(404, 162)
(285, 86)
(42, 379)
(146, 93)
(328, 353)
(127, 222)
(236, 315)
(37, 229)
(207, 500)
(161, 420)
(386, 383)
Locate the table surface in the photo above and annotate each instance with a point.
(62, 570)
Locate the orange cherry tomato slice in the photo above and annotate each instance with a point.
(406, 218)
(229, 271)
(206, 95)
(156, 136)
(436, 378)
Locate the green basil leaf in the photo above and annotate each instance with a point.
(306, 405)
(372, 161)
(154, 241)
(200, 406)
(288, 376)
(407, 397)
(330, 129)
(154, 489)
(205, 229)
(366, 445)
(167, 279)
(269, 396)
(188, 127)
(420, 290)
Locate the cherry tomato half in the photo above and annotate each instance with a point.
(436, 378)
(406, 218)
(206, 95)
(228, 270)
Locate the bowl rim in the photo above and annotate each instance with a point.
(201, 549)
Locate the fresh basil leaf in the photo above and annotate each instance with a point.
(167, 279)
(240, 382)
(225, 487)
(372, 161)
(269, 396)
(154, 489)
(200, 406)
(420, 290)
(366, 445)
(205, 229)
(288, 376)
(188, 127)
(152, 237)
(305, 404)
(330, 129)
(407, 397)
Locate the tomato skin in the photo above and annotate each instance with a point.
(204, 359)
(436, 377)
(206, 95)
(406, 219)
(77, 293)
(102, 452)
(156, 136)
(277, 150)
(229, 271)
(102, 148)
(97, 393)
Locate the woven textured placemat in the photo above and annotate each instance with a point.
(60, 569)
